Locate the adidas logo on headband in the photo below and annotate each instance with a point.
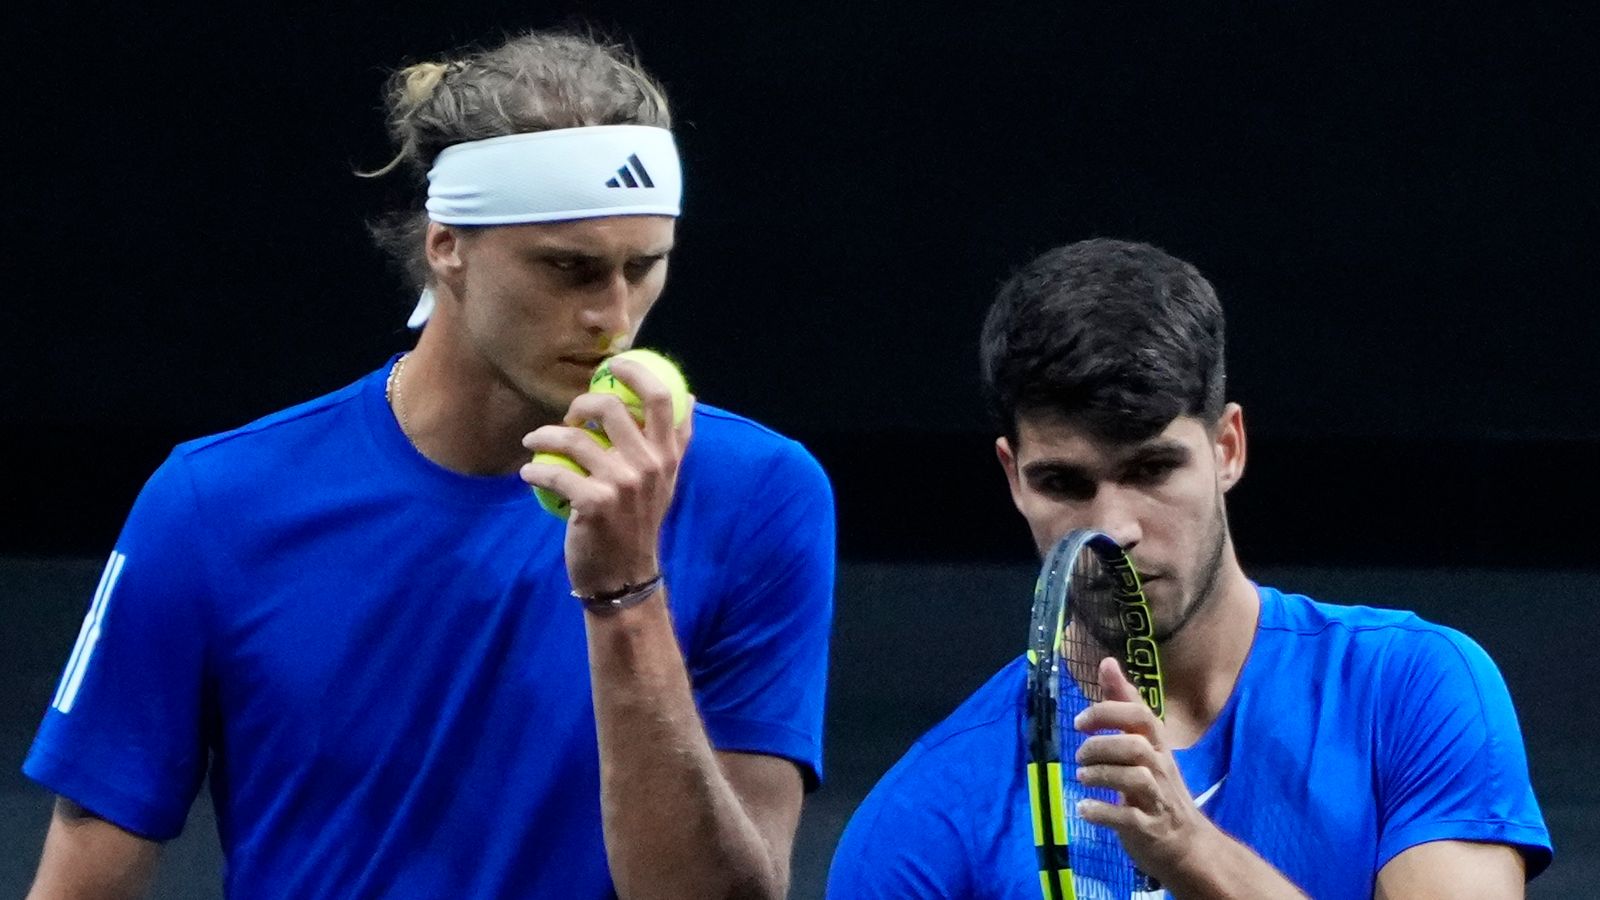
(627, 173)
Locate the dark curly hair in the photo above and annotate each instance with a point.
(1115, 336)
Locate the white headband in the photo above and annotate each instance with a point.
(553, 176)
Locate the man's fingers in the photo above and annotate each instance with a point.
(1115, 684)
(1117, 750)
(1116, 817)
(585, 447)
(1136, 784)
(613, 417)
(1131, 716)
(577, 488)
(655, 398)
(655, 405)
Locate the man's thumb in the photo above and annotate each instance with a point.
(1113, 684)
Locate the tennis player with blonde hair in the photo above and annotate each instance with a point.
(402, 676)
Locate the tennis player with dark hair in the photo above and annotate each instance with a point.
(403, 677)
(1307, 749)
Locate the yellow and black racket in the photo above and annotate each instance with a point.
(1088, 605)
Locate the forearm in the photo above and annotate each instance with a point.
(88, 858)
(1218, 867)
(674, 826)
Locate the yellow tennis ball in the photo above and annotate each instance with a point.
(604, 382)
(553, 503)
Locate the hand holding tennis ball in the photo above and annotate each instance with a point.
(605, 382)
(554, 503)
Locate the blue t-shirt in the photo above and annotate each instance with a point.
(1352, 734)
(382, 666)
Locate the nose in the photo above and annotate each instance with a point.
(605, 310)
(1116, 513)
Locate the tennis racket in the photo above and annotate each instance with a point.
(1087, 605)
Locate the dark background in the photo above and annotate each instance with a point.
(1397, 206)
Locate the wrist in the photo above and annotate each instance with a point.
(630, 594)
(1196, 872)
(594, 576)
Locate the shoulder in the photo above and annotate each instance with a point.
(1447, 757)
(237, 476)
(298, 439)
(1428, 692)
(1299, 614)
(745, 477)
(729, 444)
(988, 719)
(937, 823)
(1395, 636)
(978, 743)
(260, 453)
(284, 428)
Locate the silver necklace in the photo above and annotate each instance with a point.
(391, 393)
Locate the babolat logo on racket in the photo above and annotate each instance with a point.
(1140, 654)
(1144, 671)
(1127, 578)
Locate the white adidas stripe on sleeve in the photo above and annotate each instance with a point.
(88, 636)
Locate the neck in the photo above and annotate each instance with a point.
(460, 413)
(1201, 663)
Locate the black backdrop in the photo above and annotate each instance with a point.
(1398, 207)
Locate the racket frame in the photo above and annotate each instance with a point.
(1141, 662)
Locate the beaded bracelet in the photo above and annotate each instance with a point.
(622, 598)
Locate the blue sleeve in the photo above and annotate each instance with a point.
(1453, 764)
(123, 736)
(901, 844)
(760, 679)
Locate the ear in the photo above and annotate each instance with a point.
(1228, 441)
(1008, 462)
(443, 246)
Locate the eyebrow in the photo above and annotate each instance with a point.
(1159, 450)
(548, 250)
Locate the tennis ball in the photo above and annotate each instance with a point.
(553, 503)
(604, 382)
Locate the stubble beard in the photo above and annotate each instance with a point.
(1209, 571)
(1107, 633)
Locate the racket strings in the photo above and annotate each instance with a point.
(1095, 625)
(1100, 867)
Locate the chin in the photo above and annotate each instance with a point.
(551, 398)
(1166, 606)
